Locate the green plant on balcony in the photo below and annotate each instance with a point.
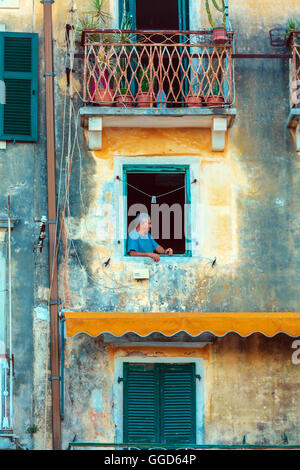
(293, 25)
(94, 18)
(215, 98)
(219, 31)
(122, 76)
(101, 60)
(144, 96)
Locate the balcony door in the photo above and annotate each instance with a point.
(156, 14)
(166, 15)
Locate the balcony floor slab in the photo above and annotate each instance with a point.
(95, 118)
(157, 117)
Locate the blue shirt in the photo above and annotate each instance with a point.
(142, 244)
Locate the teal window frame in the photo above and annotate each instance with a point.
(156, 168)
(32, 76)
(161, 403)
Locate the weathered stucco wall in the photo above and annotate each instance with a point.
(249, 201)
(251, 388)
(249, 219)
(23, 177)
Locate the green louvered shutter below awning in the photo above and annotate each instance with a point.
(178, 410)
(19, 72)
(140, 403)
(159, 403)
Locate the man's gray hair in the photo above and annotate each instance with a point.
(142, 217)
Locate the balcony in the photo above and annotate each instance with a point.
(157, 79)
(294, 117)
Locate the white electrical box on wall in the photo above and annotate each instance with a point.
(141, 273)
(9, 3)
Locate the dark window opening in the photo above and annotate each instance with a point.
(163, 195)
(157, 14)
(169, 15)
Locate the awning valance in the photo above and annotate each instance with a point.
(219, 324)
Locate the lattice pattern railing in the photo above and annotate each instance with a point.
(295, 70)
(157, 69)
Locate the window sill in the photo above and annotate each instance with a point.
(164, 260)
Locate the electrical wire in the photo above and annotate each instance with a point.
(151, 196)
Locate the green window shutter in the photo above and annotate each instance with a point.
(159, 403)
(178, 408)
(19, 71)
(140, 403)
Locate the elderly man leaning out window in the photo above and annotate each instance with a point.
(140, 241)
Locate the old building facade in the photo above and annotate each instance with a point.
(201, 346)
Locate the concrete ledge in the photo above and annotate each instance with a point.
(95, 118)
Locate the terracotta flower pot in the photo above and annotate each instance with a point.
(214, 101)
(144, 99)
(123, 101)
(220, 35)
(103, 97)
(193, 101)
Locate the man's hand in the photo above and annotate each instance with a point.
(169, 251)
(155, 257)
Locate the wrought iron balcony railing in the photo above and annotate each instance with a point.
(157, 69)
(294, 42)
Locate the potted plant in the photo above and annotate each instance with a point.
(215, 100)
(144, 97)
(219, 32)
(101, 92)
(293, 25)
(124, 99)
(99, 89)
(194, 100)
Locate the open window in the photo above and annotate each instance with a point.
(163, 192)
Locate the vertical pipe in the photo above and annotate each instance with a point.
(10, 321)
(3, 332)
(53, 294)
(62, 360)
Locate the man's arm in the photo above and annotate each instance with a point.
(162, 251)
(154, 256)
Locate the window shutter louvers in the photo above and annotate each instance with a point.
(159, 403)
(140, 404)
(19, 71)
(178, 403)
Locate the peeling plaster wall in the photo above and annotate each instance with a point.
(24, 178)
(249, 217)
(251, 388)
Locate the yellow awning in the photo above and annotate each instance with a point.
(219, 324)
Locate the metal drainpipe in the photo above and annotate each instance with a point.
(62, 365)
(50, 136)
(10, 322)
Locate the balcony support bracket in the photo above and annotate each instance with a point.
(218, 131)
(95, 133)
